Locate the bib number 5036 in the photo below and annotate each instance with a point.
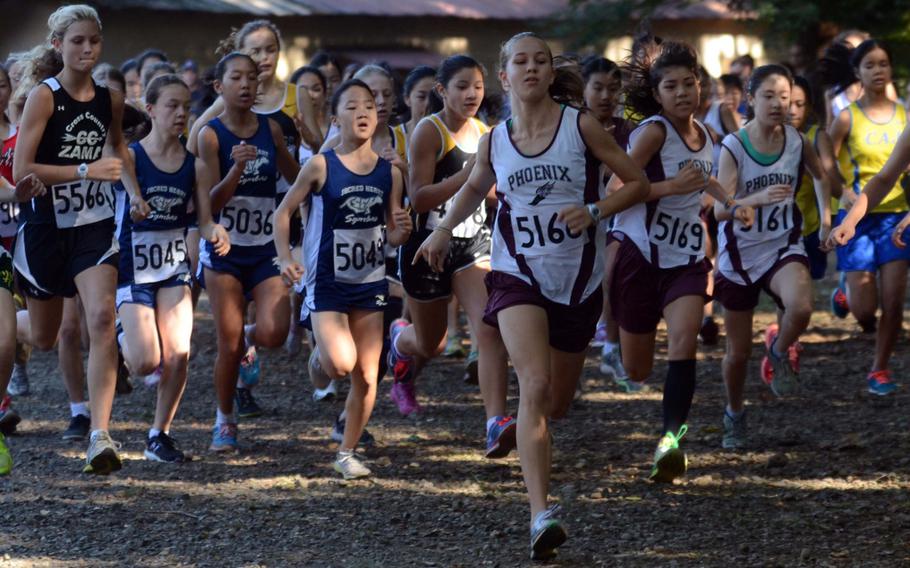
(245, 221)
(538, 233)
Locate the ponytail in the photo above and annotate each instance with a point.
(646, 71)
(568, 87)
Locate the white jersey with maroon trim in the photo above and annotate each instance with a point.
(668, 231)
(745, 255)
(529, 242)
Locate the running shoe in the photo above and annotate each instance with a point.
(734, 432)
(611, 363)
(470, 369)
(600, 335)
(784, 381)
(400, 365)
(101, 457)
(318, 376)
(327, 394)
(839, 306)
(9, 419)
(366, 439)
(5, 402)
(163, 448)
(547, 534)
(793, 354)
(246, 404)
(18, 382)
(124, 386)
(669, 460)
(631, 386)
(879, 382)
(294, 342)
(454, 347)
(224, 438)
(501, 437)
(151, 381)
(6, 459)
(347, 464)
(709, 331)
(249, 367)
(404, 396)
(78, 428)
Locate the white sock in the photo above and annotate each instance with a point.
(77, 408)
(120, 337)
(222, 418)
(153, 432)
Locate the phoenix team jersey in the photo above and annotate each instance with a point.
(247, 216)
(451, 160)
(529, 241)
(284, 116)
(345, 235)
(866, 149)
(668, 231)
(9, 212)
(746, 254)
(805, 195)
(154, 249)
(75, 134)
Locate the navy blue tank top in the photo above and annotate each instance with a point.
(344, 237)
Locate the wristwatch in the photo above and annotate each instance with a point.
(594, 211)
(82, 170)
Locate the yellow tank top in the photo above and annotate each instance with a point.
(866, 149)
(805, 195)
(400, 141)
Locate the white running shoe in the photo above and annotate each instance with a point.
(101, 457)
(347, 464)
(327, 394)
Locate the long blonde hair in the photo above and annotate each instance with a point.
(43, 61)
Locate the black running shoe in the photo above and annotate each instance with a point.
(709, 331)
(246, 404)
(366, 439)
(78, 428)
(163, 448)
(9, 419)
(124, 386)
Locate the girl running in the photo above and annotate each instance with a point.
(154, 303)
(443, 149)
(29, 187)
(760, 167)
(354, 193)
(660, 269)
(864, 136)
(547, 254)
(66, 238)
(242, 153)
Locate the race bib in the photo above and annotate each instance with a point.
(82, 202)
(158, 255)
(685, 236)
(771, 220)
(359, 255)
(9, 219)
(542, 233)
(248, 220)
(466, 229)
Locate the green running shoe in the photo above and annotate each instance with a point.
(6, 460)
(669, 461)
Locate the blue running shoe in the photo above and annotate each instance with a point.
(400, 365)
(224, 438)
(879, 382)
(249, 367)
(839, 306)
(501, 437)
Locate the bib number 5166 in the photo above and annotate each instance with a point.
(537, 233)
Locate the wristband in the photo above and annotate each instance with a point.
(733, 211)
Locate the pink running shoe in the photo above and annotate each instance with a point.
(404, 396)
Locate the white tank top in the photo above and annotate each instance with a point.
(529, 242)
(745, 255)
(668, 231)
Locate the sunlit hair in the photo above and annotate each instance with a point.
(645, 73)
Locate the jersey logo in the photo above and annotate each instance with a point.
(61, 108)
(361, 205)
(163, 205)
(543, 192)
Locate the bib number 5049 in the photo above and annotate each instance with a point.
(538, 233)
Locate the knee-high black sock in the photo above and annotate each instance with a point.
(679, 388)
(391, 312)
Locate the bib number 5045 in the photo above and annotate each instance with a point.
(538, 233)
(155, 255)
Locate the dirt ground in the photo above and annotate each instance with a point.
(826, 483)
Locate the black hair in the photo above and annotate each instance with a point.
(104, 73)
(803, 83)
(154, 68)
(759, 75)
(592, 65)
(449, 67)
(344, 87)
(731, 81)
(838, 67)
(744, 60)
(158, 84)
(309, 70)
(645, 74)
(863, 49)
(221, 66)
(417, 75)
(643, 39)
(128, 66)
(322, 58)
(149, 54)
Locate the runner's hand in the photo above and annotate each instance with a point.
(28, 187)
(105, 169)
(218, 236)
(897, 236)
(434, 250)
(139, 209)
(291, 272)
(840, 236)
